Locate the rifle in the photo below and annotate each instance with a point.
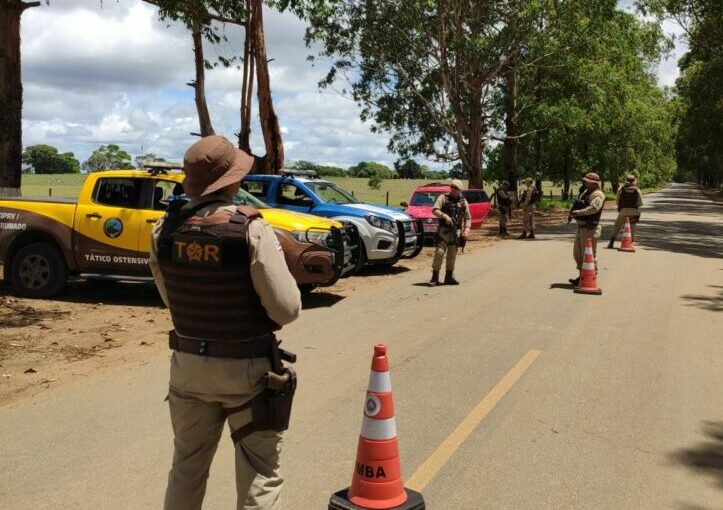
(579, 203)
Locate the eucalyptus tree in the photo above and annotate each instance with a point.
(11, 96)
(426, 72)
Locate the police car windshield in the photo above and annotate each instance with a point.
(423, 198)
(331, 193)
(243, 197)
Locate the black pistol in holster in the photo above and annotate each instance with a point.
(271, 409)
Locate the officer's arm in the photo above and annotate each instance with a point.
(437, 208)
(596, 202)
(153, 262)
(272, 280)
(617, 197)
(640, 200)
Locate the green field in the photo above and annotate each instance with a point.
(399, 190)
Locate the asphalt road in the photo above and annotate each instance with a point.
(540, 398)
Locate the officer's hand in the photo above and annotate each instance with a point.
(465, 234)
(448, 220)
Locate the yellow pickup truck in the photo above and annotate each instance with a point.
(106, 233)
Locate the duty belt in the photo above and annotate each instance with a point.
(256, 347)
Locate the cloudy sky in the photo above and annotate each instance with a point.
(116, 74)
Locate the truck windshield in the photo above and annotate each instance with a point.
(243, 197)
(331, 193)
(422, 198)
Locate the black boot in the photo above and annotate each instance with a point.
(505, 234)
(523, 235)
(449, 279)
(532, 235)
(611, 244)
(435, 278)
(575, 281)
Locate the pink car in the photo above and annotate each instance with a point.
(422, 199)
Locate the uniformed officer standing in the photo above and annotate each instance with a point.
(528, 201)
(455, 222)
(592, 200)
(629, 200)
(504, 205)
(220, 270)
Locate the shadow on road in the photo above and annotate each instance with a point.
(712, 303)
(691, 237)
(319, 300)
(707, 457)
(382, 269)
(104, 292)
(566, 286)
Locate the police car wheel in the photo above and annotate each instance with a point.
(38, 271)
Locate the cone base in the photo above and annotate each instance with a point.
(340, 501)
(580, 290)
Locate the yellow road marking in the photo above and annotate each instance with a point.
(429, 469)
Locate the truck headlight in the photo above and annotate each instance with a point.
(311, 236)
(376, 221)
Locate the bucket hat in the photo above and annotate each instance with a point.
(211, 164)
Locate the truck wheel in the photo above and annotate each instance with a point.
(38, 271)
(362, 258)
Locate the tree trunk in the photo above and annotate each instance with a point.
(199, 86)
(273, 162)
(247, 89)
(512, 142)
(566, 174)
(11, 97)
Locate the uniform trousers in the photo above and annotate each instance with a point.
(446, 244)
(528, 218)
(583, 234)
(626, 212)
(200, 389)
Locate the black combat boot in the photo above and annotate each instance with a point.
(532, 235)
(575, 281)
(449, 279)
(435, 278)
(611, 244)
(505, 234)
(523, 235)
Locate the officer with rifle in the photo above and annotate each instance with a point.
(455, 222)
(587, 210)
(528, 200)
(629, 201)
(504, 205)
(221, 272)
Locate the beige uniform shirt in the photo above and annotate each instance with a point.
(467, 218)
(528, 196)
(272, 280)
(597, 200)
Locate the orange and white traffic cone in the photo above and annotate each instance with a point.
(588, 275)
(627, 244)
(377, 480)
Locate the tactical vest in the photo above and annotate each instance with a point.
(206, 271)
(503, 199)
(629, 197)
(593, 220)
(454, 208)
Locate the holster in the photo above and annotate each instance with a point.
(270, 409)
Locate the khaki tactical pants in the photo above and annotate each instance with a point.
(583, 234)
(200, 388)
(445, 244)
(503, 218)
(528, 218)
(627, 212)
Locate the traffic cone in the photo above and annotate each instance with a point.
(627, 244)
(377, 480)
(588, 275)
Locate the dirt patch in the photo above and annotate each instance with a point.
(95, 325)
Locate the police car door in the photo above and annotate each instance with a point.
(106, 228)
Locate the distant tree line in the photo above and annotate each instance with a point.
(403, 169)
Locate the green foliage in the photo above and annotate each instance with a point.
(369, 169)
(108, 157)
(408, 169)
(375, 182)
(321, 170)
(44, 159)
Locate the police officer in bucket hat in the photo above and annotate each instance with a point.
(221, 272)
